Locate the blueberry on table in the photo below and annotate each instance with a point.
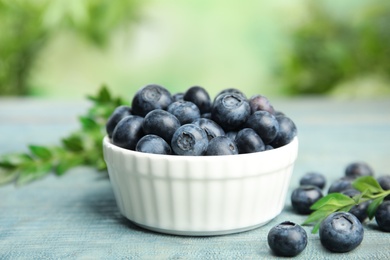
(264, 124)
(149, 98)
(161, 123)
(382, 216)
(211, 128)
(303, 197)
(341, 232)
(116, 116)
(360, 210)
(287, 239)
(259, 102)
(351, 192)
(153, 144)
(358, 169)
(287, 132)
(200, 97)
(230, 111)
(313, 178)
(221, 145)
(248, 141)
(340, 185)
(384, 182)
(189, 139)
(128, 132)
(185, 111)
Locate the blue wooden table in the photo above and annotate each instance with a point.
(75, 216)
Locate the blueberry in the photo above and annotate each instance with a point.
(153, 144)
(341, 232)
(340, 185)
(279, 113)
(185, 111)
(268, 147)
(259, 102)
(313, 178)
(264, 124)
(360, 210)
(382, 216)
(287, 239)
(149, 98)
(206, 115)
(303, 197)
(232, 135)
(177, 97)
(248, 141)
(221, 145)
(189, 139)
(351, 192)
(358, 169)
(128, 131)
(161, 123)
(211, 128)
(116, 116)
(200, 97)
(287, 132)
(230, 111)
(230, 91)
(384, 182)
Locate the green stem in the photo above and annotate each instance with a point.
(375, 196)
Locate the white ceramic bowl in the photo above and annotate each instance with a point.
(200, 195)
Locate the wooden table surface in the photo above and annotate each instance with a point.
(75, 216)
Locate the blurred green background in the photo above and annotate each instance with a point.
(69, 48)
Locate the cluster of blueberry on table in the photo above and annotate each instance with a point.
(340, 231)
(193, 124)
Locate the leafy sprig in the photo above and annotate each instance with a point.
(370, 190)
(82, 147)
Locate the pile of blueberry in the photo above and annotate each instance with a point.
(340, 231)
(190, 123)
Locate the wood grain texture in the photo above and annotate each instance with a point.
(75, 216)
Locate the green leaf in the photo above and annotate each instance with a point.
(73, 143)
(373, 206)
(333, 199)
(82, 147)
(118, 101)
(7, 175)
(357, 198)
(13, 160)
(317, 215)
(33, 171)
(103, 95)
(100, 164)
(346, 208)
(40, 151)
(68, 163)
(316, 227)
(367, 184)
(88, 123)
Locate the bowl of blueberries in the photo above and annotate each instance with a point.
(187, 164)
